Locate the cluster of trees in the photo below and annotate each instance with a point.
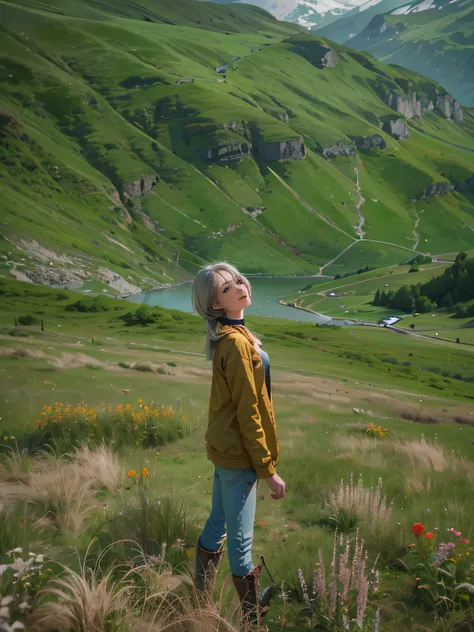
(348, 274)
(406, 299)
(454, 290)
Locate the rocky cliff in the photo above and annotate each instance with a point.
(139, 188)
(438, 188)
(398, 129)
(231, 152)
(369, 142)
(285, 150)
(411, 105)
(341, 148)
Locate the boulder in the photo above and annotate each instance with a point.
(399, 129)
(284, 150)
(438, 188)
(369, 142)
(340, 148)
(141, 187)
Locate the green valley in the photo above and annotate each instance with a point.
(128, 161)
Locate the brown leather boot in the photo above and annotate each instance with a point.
(248, 589)
(207, 565)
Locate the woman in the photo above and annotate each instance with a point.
(241, 436)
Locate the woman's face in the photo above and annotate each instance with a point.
(232, 294)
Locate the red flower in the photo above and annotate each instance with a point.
(418, 528)
(429, 535)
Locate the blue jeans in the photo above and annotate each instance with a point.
(234, 500)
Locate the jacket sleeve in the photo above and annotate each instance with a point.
(240, 378)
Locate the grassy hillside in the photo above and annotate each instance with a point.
(438, 43)
(128, 161)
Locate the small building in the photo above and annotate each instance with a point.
(332, 294)
(391, 320)
(222, 69)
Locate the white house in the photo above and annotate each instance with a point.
(391, 321)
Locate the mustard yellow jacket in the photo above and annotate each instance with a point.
(241, 432)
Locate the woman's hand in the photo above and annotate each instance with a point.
(277, 485)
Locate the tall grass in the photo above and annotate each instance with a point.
(61, 492)
(350, 502)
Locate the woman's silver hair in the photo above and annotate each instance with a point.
(205, 293)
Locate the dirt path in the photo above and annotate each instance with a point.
(415, 232)
(359, 228)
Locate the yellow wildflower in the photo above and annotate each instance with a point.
(145, 473)
(131, 473)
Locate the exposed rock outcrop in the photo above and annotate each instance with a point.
(117, 282)
(238, 127)
(56, 277)
(141, 187)
(330, 59)
(438, 188)
(340, 148)
(285, 150)
(449, 108)
(231, 152)
(408, 106)
(369, 142)
(254, 211)
(399, 129)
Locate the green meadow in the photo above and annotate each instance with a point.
(349, 401)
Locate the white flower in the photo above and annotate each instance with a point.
(4, 613)
(17, 550)
(6, 600)
(39, 558)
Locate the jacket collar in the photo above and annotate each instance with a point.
(228, 329)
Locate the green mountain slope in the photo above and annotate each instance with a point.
(343, 28)
(127, 159)
(436, 40)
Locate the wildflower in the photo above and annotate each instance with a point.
(418, 579)
(131, 473)
(145, 473)
(457, 533)
(5, 438)
(463, 541)
(410, 546)
(418, 529)
(451, 559)
(429, 535)
(140, 401)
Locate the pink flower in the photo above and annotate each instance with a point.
(464, 541)
(451, 545)
(457, 533)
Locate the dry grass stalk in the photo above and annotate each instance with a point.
(366, 503)
(416, 482)
(421, 453)
(101, 466)
(357, 445)
(417, 414)
(64, 491)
